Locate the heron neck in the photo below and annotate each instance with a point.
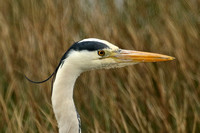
(62, 99)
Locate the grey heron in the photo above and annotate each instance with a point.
(85, 55)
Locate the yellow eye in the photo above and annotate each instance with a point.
(101, 53)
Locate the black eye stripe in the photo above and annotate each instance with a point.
(89, 45)
(86, 45)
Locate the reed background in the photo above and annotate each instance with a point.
(152, 97)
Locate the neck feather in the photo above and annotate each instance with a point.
(62, 99)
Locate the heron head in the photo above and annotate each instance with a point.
(93, 53)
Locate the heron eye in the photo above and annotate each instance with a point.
(101, 53)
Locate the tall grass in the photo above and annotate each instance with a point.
(152, 97)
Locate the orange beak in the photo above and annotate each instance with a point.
(139, 56)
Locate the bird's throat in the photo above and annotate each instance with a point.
(62, 99)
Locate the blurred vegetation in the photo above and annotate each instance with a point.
(152, 97)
